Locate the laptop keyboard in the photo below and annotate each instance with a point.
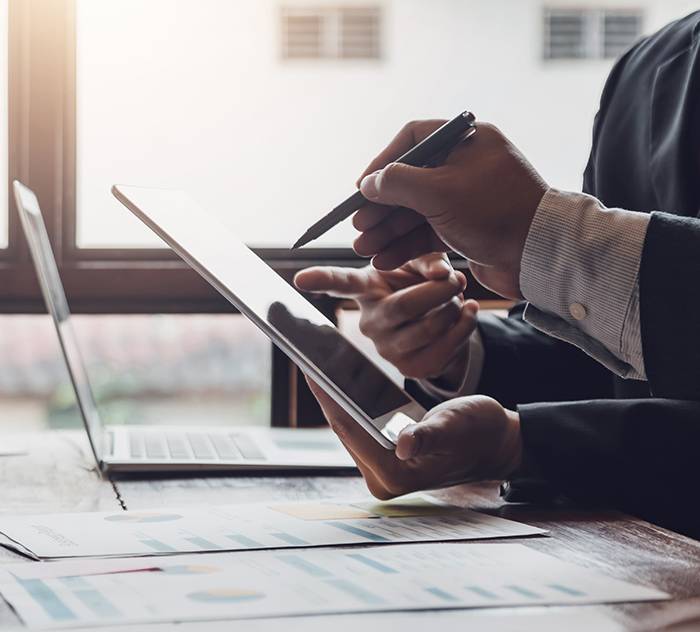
(193, 445)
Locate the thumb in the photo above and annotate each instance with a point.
(398, 184)
(430, 436)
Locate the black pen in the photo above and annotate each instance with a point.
(441, 140)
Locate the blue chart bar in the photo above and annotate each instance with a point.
(98, 603)
(363, 533)
(159, 546)
(377, 566)
(303, 565)
(75, 583)
(441, 594)
(482, 592)
(47, 599)
(289, 539)
(245, 541)
(567, 590)
(92, 598)
(523, 592)
(202, 543)
(356, 591)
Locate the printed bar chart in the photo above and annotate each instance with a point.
(313, 581)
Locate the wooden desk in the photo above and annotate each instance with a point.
(57, 476)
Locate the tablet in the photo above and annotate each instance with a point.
(312, 341)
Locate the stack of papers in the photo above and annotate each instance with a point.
(253, 526)
(280, 583)
(170, 584)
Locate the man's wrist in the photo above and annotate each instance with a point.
(512, 445)
(526, 483)
(468, 379)
(453, 376)
(579, 272)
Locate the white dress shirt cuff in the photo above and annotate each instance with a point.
(579, 273)
(472, 374)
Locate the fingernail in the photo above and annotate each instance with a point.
(368, 186)
(462, 280)
(456, 281)
(439, 266)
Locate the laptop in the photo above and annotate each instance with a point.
(122, 448)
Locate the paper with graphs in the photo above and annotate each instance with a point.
(312, 581)
(415, 518)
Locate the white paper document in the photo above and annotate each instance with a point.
(13, 446)
(252, 526)
(536, 619)
(310, 581)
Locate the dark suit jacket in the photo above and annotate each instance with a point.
(599, 438)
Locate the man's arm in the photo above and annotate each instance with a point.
(631, 276)
(518, 364)
(579, 271)
(524, 365)
(669, 306)
(577, 262)
(637, 455)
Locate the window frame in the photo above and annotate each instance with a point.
(42, 155)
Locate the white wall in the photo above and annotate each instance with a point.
(194, 94)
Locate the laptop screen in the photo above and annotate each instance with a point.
(55, 297)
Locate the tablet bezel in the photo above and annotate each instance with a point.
(390, 422)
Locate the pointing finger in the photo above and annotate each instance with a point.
(337, 281)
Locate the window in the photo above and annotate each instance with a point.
(331, 33)
(620, 30)
(265, 111)
(590, 33)
(156, 369)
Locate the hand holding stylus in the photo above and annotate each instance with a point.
(480, 203)
(429, 151)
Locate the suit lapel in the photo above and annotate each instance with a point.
(675, 158)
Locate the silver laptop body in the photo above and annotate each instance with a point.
(166, 448)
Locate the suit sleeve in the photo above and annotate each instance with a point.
(669, 305)
(522, 365)
(637, 455)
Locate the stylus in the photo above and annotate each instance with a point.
(440, 141)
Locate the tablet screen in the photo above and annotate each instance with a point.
(256, 288)
(335, 356)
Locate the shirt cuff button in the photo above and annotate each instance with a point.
(578, 311)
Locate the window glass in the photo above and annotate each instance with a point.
(590, 33)
(331, 32)
(270, 132)
(144, 369)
